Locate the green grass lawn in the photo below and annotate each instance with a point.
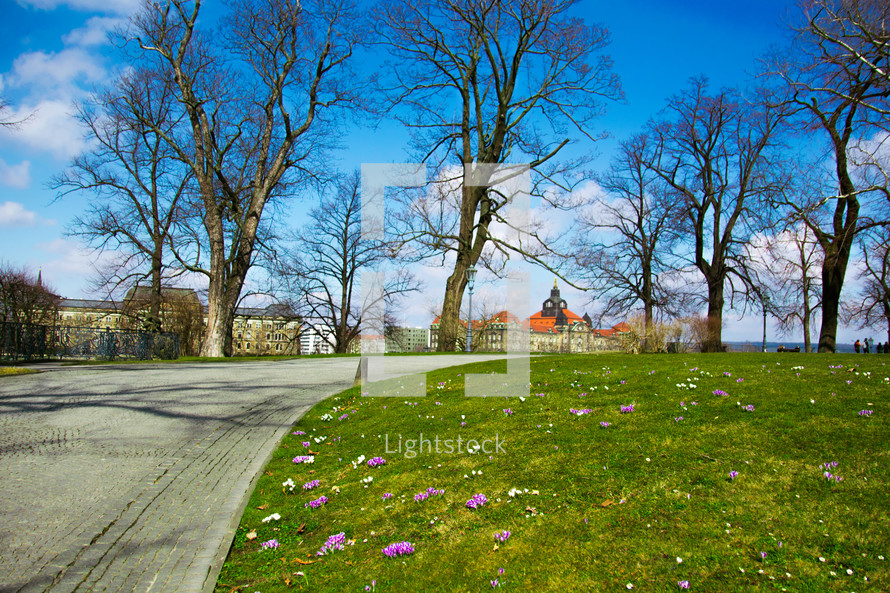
(9, 371)
(647, 502)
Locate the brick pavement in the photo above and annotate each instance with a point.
(134, 477)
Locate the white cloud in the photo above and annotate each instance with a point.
(95, 32)
(55, 71)
(15, 175)
(67, 266)
(47, 85)
(51, 128)
(124, 7)
(13, 214)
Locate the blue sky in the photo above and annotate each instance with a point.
(55, 51)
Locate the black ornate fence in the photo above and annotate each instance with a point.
(20, 341)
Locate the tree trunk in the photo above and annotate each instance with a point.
(222, 297)
(714, 339)
(887, 319)
(831, 293)
(647, 308)
(808, 347)
(834, 267)
(807, 310)
(449, 321)
(846, 217)
(154, 302)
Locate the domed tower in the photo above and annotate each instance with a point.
(553, 306)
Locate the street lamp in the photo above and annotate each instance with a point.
(764, 301)
(471, 279)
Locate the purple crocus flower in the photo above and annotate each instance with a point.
(335, 542)
(317, 502)
(398, 549)
(269, 545)
(477, 501)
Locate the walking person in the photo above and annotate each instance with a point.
(856, 346)
(865, 347)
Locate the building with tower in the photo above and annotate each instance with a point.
(555, 328)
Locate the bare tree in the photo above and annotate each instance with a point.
(872, 305)
(628, 237)
(255, 99)
(786, 268)
(137, 183)
(853, 33)
(5, 116)
(713, 151)
(181, 313)
(489, 82)
(320, 275)
(24, 298)
(836, 73)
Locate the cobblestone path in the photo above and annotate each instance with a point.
(133, 477)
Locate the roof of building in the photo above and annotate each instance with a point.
(275, 310)
(500, 317)
(539, 323)
(89, 304)
(142, 292)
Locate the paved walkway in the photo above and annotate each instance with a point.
(134, 477)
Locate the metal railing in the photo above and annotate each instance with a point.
(20, 341)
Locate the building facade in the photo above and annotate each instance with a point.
(257, 331)
(555, 328)
(264, 331)
(317, 340)
(407, 339)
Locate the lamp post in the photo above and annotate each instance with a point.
(471, 279)
(764, 301)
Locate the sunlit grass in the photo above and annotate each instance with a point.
(605, 507)
(9, 371)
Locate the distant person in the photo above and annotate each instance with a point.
(880, 348)
(856, 346)
(781, 348)
(886, 347)
(865, 348)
